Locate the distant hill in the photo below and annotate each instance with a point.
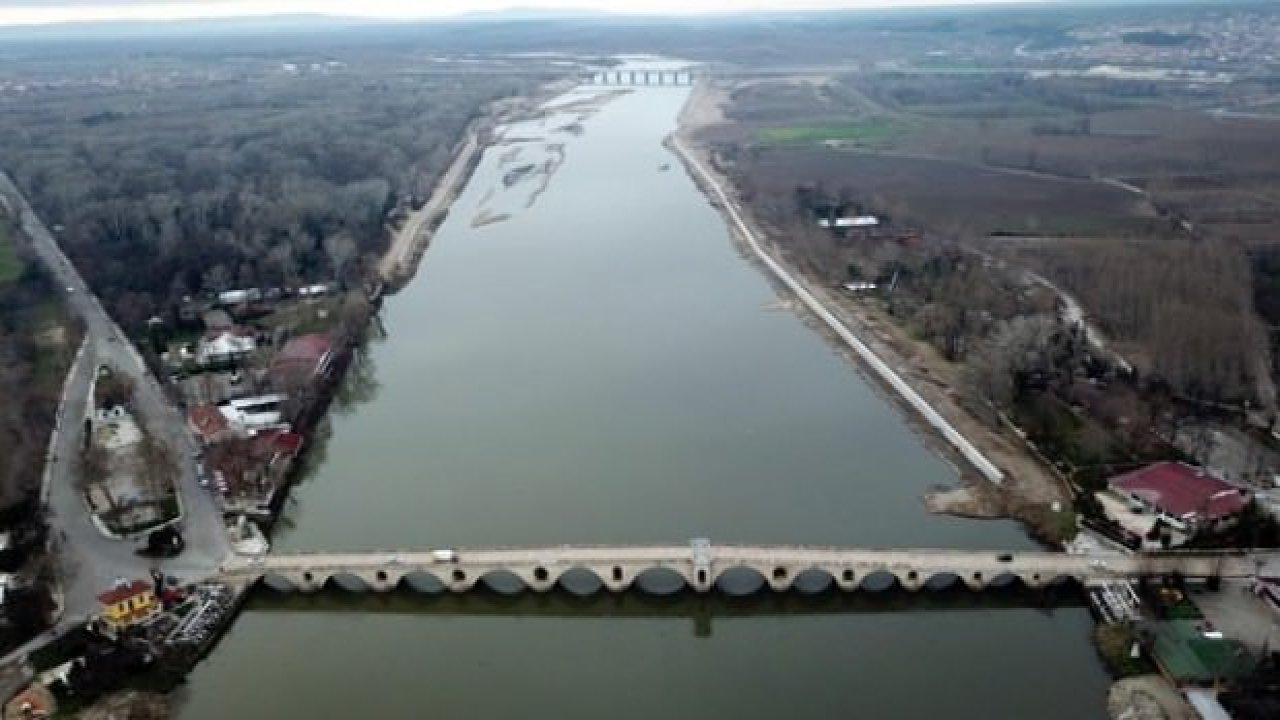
(528, 15)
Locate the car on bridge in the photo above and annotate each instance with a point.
(445, 555)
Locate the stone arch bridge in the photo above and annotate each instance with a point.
(702, 567)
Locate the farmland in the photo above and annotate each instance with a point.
(871, 133)
(953, 195)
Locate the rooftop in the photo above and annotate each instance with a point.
(207, 421)
(124, 592)
(1182, 490)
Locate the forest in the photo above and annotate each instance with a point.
(178, 177)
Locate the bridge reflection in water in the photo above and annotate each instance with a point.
(701, 609)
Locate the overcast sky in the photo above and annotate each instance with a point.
(16, 12)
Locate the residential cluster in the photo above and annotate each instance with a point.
(1249, 37)
(247, 364)
(141, 624)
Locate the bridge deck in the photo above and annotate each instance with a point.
(617, 566)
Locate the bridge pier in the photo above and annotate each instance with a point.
(779, 577)
(846, 578)
(379, 580)
(909, 580)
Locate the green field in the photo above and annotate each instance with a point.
(868, 132)
(10, 265)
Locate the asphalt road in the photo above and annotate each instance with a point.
(89, 561)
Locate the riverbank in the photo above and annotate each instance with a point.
(409, 242)
(1009, 481)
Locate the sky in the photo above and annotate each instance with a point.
(31, 12)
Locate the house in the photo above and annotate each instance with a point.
(250, 415)
(1187, 498)
(225, 345)
(208, 424)
(253, 467)
(274, 447)
(239, 297)
(128, 604)
(858, 221)
(32, 703)
(314, 290)
(301, 361)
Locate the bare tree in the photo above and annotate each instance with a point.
(1019, 349)
(156, 467)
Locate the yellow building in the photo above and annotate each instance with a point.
(129, 604)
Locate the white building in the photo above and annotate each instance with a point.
(224, 346)
(249, 415)
(858, 221)
(239, 297)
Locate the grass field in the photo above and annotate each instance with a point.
(876, 132)
(10, 265)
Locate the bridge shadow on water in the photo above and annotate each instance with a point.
(702, 609)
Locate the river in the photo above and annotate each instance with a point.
(594, 364)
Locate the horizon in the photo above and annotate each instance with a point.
(67, 12)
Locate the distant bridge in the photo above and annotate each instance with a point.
(640, 78)
(702, 567)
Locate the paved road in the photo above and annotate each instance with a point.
(397, 262)
(89, 560)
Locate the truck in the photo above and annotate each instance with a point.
(445, 555)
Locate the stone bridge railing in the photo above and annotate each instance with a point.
(701, 567)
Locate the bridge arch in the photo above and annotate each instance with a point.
(944, 580)
(879, 581)
(661, 580)
(504, 582)
(424, 582)
(740, 580)
(813, 581)
(349, 582)
(277, 582)
(581, 581)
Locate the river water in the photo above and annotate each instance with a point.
(594, 363)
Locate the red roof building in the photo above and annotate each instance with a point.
(208, 423)
(1186, 496)
(128, 603)
(301, 360)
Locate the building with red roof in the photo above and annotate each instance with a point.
(301, 361)
(1187, 498)
(128, 603)
(208, 424)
